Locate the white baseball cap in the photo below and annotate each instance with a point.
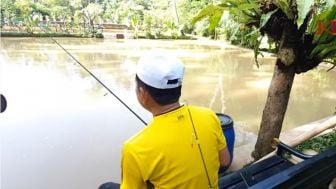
(160, 70)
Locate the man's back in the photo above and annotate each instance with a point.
(166, 152)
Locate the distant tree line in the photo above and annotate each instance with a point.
(151, 17)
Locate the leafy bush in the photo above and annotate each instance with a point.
(241, 35)
(320, 143)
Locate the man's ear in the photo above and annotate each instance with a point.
(143, 95)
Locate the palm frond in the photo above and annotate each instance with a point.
(209, 11)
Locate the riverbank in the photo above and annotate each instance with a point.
(44, 34)
(314, 133)
(114, 35)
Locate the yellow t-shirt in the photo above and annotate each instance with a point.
(166, 154)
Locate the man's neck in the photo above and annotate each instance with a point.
(159, 110)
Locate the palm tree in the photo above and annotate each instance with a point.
(293, 25)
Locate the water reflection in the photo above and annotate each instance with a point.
(64, 130)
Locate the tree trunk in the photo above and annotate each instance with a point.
(275, 108)
(279, 91)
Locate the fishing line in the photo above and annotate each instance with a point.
(99, 81)
(200, 150)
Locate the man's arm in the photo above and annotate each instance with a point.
(224, 157)
(223, 152)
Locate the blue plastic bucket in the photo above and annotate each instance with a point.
(228, 130)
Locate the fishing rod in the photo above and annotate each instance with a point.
(108, 89)
(99, 81)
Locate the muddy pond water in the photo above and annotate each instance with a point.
(63, 130)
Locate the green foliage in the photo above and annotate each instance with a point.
(187, 9)
(59, 13)
(171, 28)
(242, 11)
(231, 29)
(303, 7)
(51, 3)
(325, 43)
(323, 17)
(148, 22)
(246, 12)
(92, 11)
(320, 143)
(284, 6)
(39, 8)
(8, 11)
(76, 4)
(153, 16)
(24, 7)
(323, 5)
(135, 26)
(241, 35)
(265, 18)
(213, 12)
(330, 3)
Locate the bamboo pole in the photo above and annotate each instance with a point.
(324, 125)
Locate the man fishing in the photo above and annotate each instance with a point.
(183, 146)
(166, 153)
